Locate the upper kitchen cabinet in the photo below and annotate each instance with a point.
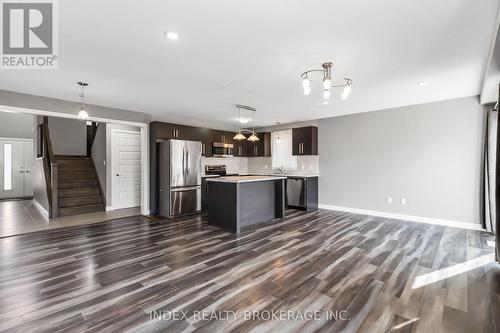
(206, 136)
(224, 137)
(305, 140)
(173, 131)
(240, 148)
(261, 148)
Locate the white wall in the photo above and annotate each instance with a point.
(430, 154)
(17, 125)
(68, 136)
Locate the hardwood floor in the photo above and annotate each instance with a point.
(21, 216)
(122, 275)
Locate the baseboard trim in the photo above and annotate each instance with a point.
(412, 218)
(40, 208)
(109, 208)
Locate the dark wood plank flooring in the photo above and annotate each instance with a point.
(388, 275)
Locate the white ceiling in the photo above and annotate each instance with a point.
(252, 52)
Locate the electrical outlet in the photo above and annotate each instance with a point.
(265, 166)
(389, 200)
(403, 201)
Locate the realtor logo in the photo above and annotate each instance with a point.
(29, 34)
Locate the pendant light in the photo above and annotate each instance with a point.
(83, 114)
(254, 136)
(239, 135)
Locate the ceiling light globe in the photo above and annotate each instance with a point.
(306, 83)
(346, 92)
(307, 91)
(327, 84)
(83, 114)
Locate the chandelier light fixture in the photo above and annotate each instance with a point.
(239, 134)
(327, 82)
(83, 114)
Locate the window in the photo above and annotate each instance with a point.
(281, 150)
(7, 167)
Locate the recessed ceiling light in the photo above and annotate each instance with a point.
(172, 35)
(422, 83)
(325, 102)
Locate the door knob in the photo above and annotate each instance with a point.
(117, 174)
(27, 171)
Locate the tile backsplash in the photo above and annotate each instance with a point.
(308, 165)
(233, 164)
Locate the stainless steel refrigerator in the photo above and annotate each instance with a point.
(179, 167)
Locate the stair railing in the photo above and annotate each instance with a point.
(50, 169)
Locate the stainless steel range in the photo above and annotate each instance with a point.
(217, 170)
(179, 167)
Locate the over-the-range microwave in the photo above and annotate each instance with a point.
(221, 149)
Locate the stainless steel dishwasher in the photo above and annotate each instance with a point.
(295, 192)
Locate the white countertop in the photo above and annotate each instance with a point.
(244, 179)
(283, 175)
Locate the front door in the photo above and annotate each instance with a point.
(16, 161)
(126, 169)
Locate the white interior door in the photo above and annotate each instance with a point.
(29, 163)
(11, 169)
(126, 169)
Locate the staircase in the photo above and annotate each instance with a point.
(78, 186)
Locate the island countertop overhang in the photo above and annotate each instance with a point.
(244, 179)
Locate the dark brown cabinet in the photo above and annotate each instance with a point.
(261, 148)
(240, 148)
(206, 137)
(171, 131)
(305, 140)
(224, 137)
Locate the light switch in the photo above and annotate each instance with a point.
(403, 201)
(389, 200)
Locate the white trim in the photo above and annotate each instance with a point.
(412, 218)
(109, 208)
(16, 139)
(16, 109)
(144, 130)
(40, 208)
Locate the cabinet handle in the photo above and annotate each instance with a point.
(203, 148)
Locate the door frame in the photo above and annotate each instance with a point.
(144, 130)
(109, 165)
(22, 141)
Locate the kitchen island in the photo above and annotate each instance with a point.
(238, 201)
